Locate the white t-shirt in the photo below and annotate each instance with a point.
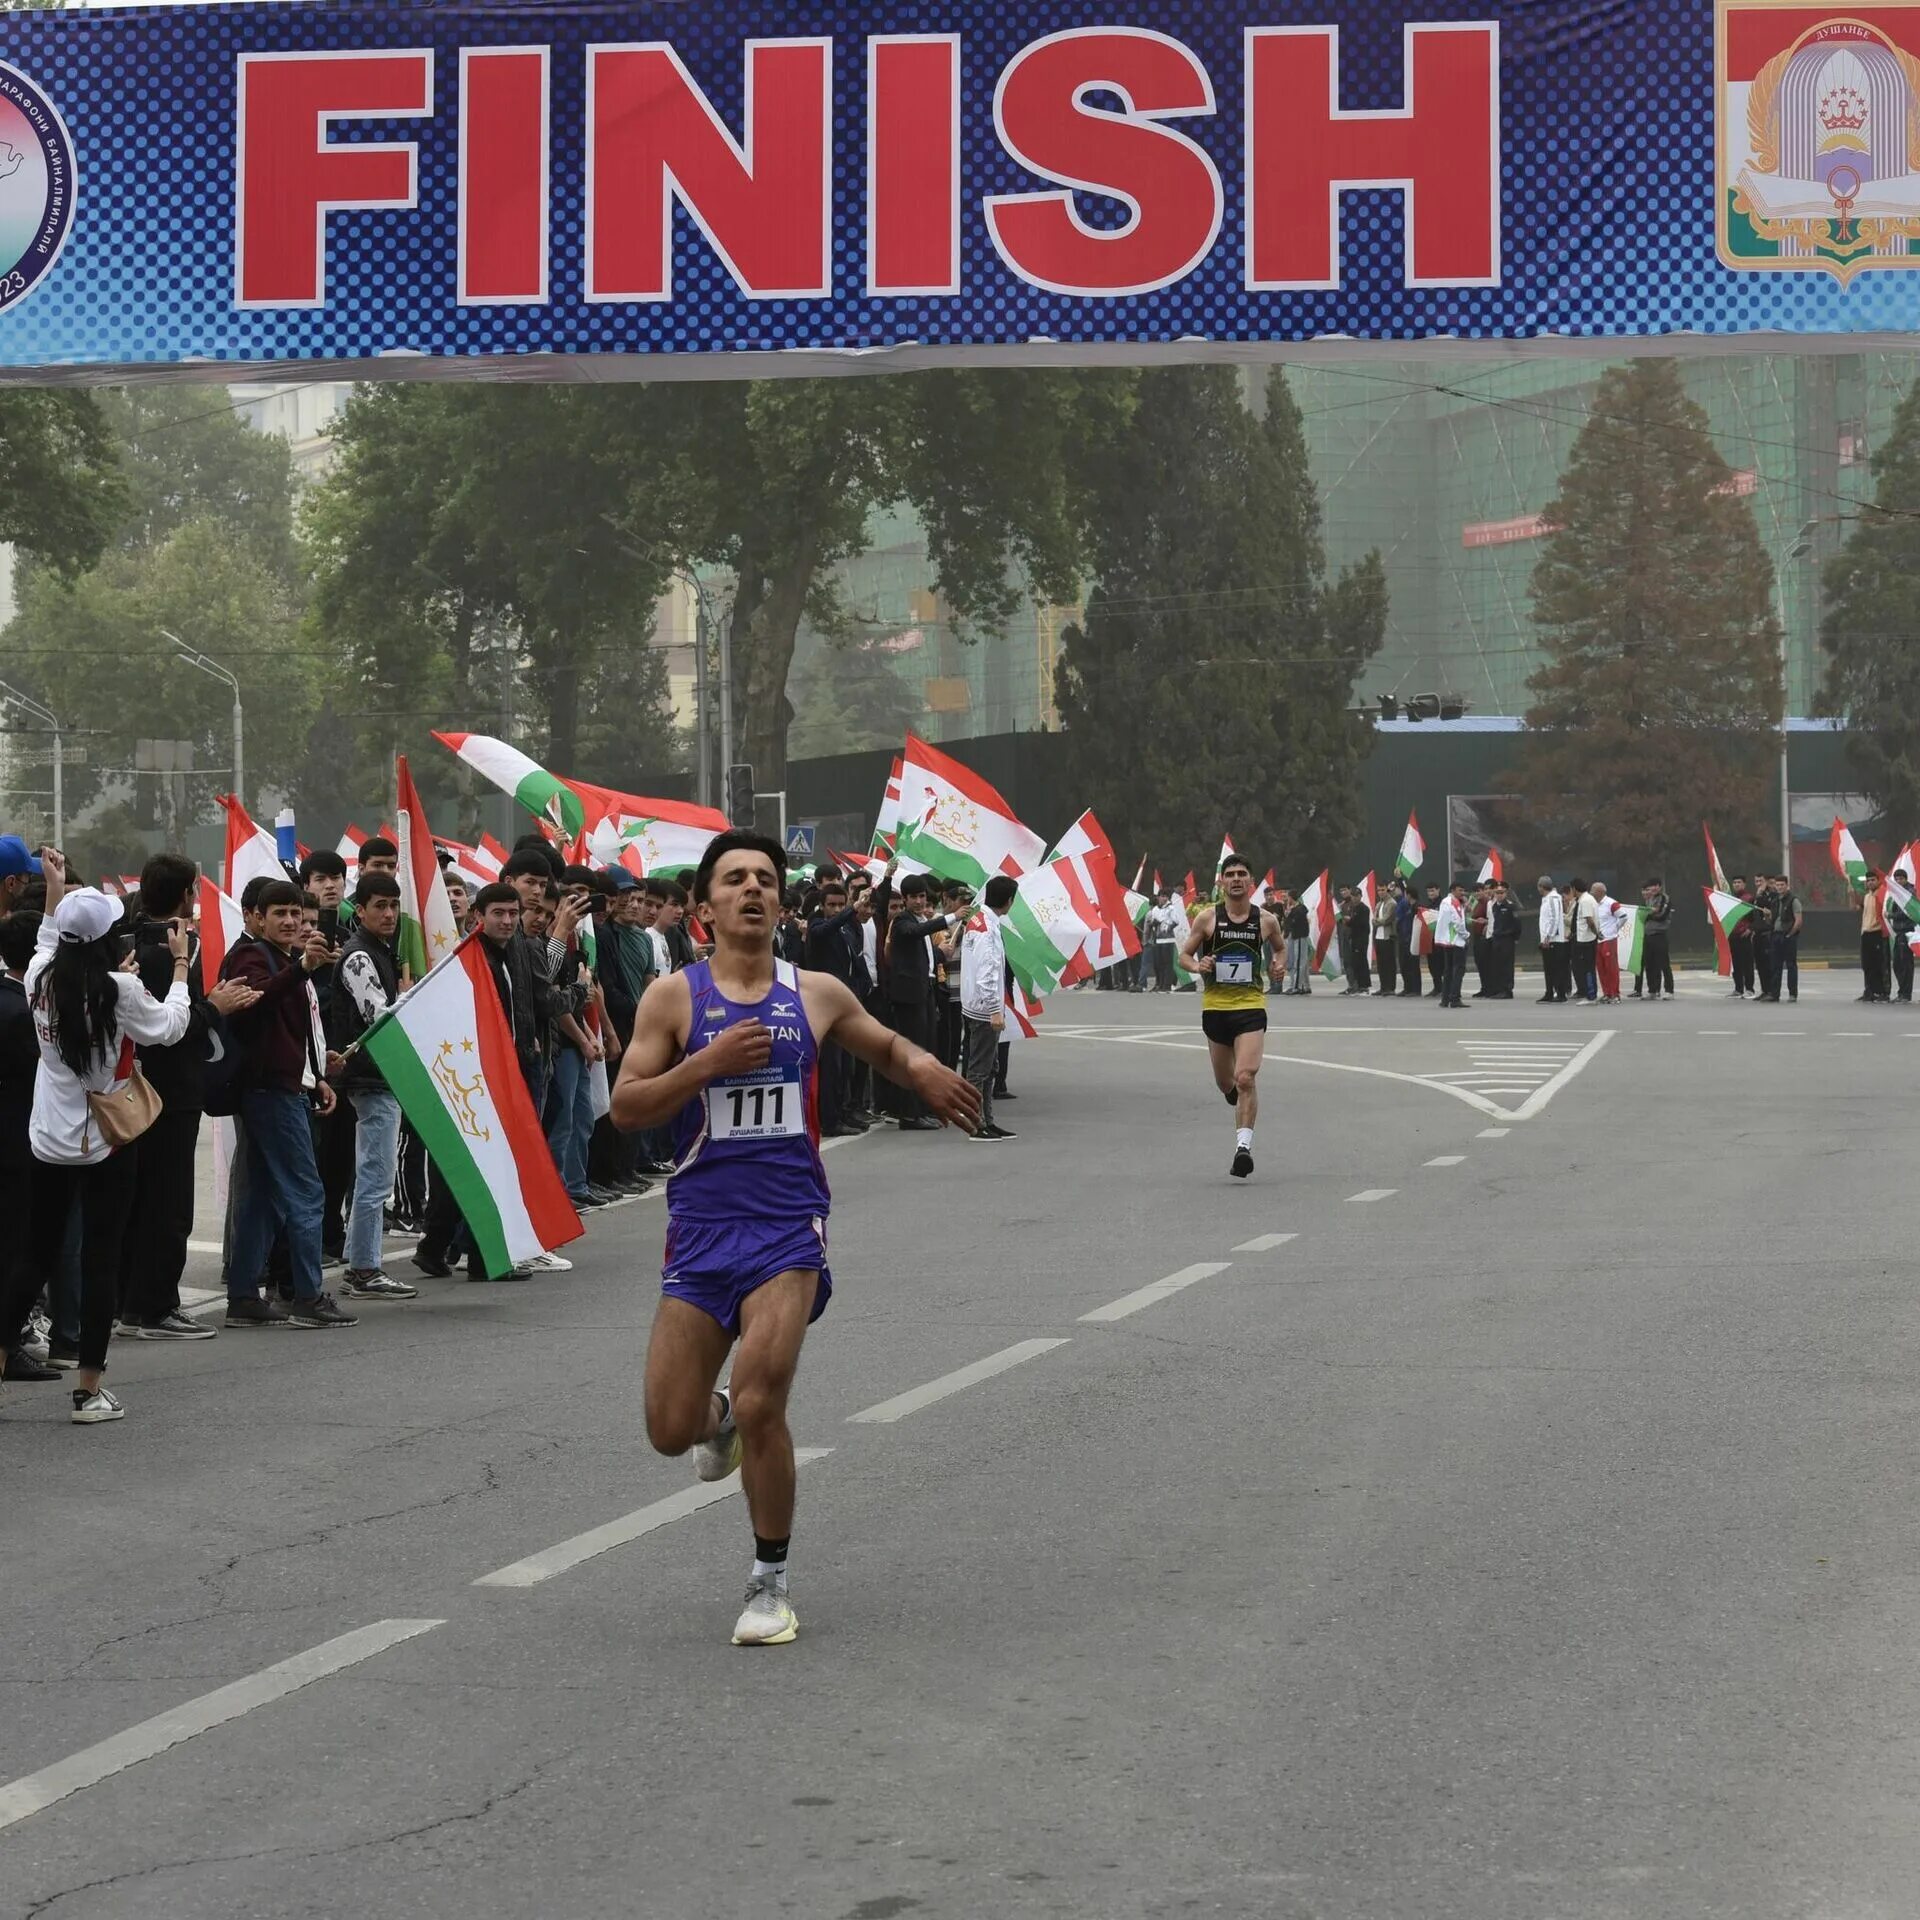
(61, 1130)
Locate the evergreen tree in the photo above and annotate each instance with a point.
(1871, 632)
(1207, 688)
(1659, 702)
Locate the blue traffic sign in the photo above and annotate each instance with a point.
(800, 842)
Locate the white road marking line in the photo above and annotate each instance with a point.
(33, 1791)
(1849, 1036)
(1785, 1033)
(1159, 1289)
(1368, 1194)
(537, 1567)
(1493, 1133)
(1265, 1242)
(915, 1398)
(1479, 1102)
(1719, 1033)
(1447, 1160)
(1577, 1065)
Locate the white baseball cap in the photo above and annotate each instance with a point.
(86, 915)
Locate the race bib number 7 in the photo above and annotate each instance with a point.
(759, 1106)
(1234, 969)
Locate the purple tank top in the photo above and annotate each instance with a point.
(749, 1147)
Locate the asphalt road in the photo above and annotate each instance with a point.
(1504, 1509)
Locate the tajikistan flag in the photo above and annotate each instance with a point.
(1226, 854)
(1630, 942)
(1847, 857)
(252, 852)
(1491, 871)
(956, 825)
(887, 822)
(1903, 897)
(1413, 848)
(1724, 910)
(1318, 901)
(222, 925)
(428, 932)
(1044, 930)
(1716, 873)
(543, 794)
(1085, 859)
(446, 1052)
(660, 834)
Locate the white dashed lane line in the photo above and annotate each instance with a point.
(1493, 1133)
(915, 1398)
(1368, 1194)
(1447, 1160)
(32, 1792)
(1265, 1242)
(539, 1567)
(1158, 1290)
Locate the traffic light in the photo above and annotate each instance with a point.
(740, 795)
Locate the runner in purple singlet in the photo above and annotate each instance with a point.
(727, 1052)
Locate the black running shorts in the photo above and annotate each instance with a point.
(1223, 1029)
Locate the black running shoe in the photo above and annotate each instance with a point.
(1233, 1096)
(256, 1313)
(320, 1311)
(1242, 1163)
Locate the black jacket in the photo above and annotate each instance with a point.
(524, 993)
(833, 946)
(345, 1022)
(177, 1073)
(19, 1063)
(909, 960)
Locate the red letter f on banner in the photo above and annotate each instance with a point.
(290, 176)
(1441, 149)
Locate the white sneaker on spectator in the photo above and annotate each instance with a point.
(92, 1409)
(548, 1263)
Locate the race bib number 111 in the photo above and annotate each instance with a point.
(762, 1106)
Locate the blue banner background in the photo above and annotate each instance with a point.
(1608, 229)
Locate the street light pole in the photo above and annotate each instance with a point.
(36, 711)
(193, 657)
(707, 624)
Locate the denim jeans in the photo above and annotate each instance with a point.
(282, 1190)
(1299, 964)
(376, 1152)
(570, 1117)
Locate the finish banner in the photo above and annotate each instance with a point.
(740, 187)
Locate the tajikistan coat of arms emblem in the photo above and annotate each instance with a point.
(1818, 163)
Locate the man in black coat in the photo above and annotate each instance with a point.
(909, 976)
(833, 947)
(154, 1250)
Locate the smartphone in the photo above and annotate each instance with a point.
(330, 926)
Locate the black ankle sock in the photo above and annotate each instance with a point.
(773, 1552)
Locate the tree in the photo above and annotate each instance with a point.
(998, 466)
(477, 565)
(1207, 687)
(1659, 702)
(203, 548)
(61, 490)
(1870, 633)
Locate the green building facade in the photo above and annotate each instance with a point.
(1445, 466)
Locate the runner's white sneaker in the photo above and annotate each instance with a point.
(716, 1458)
(768, 1620)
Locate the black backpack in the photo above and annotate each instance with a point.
(225, 1077)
